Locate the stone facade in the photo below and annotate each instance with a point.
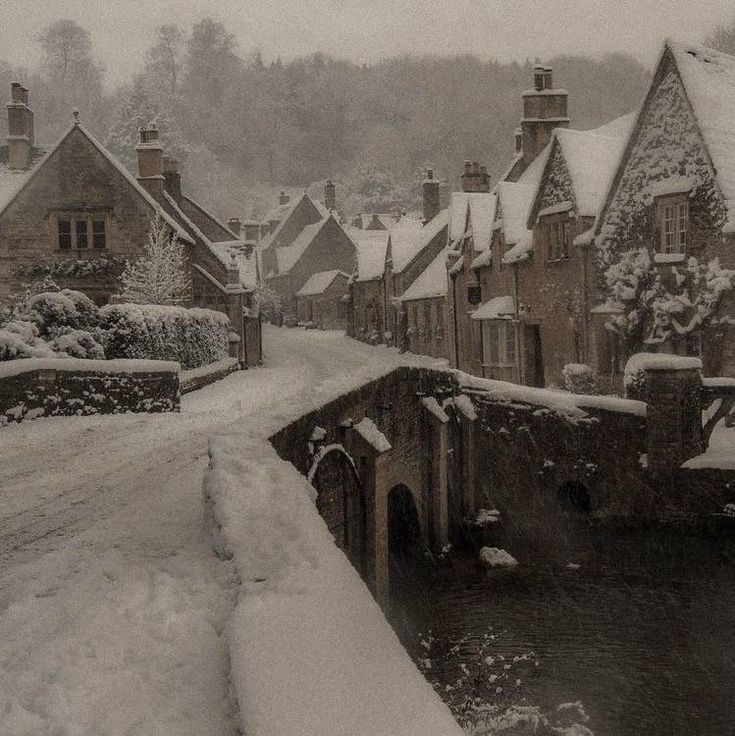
(327, 309)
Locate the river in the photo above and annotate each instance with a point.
(640, 627)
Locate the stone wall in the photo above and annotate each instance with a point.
(44, 388)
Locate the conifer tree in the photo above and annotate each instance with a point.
(159, 276)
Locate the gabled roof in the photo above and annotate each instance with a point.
(289, 255)
(432, 282)
(709, 80)
(406, 244)
(205, 221)
(459, 205)
(371, 247)
(319, 282)
(288, 211)
(20, 181)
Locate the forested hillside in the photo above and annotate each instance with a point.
(244, 127)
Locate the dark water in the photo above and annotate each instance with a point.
(643, 633)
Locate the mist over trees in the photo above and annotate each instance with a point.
(244, 126)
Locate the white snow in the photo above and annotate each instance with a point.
(432, 406)
(499, 307)
(318, 283)
(720, 452)
(25, 365)
(486, 517)
(496, 557)
(371, 247)
(672, 185)
(464, 404)
(431, 282)
(113, 609)
(709, 80)
(659, 362)
(368, 430)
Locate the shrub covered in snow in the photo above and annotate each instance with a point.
(495, 557)
(20, 339)
(54, 312)
(193, 337)
(580, 379)
(77, 344)
(634, 378)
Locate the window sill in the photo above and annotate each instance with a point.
(669, 257)
(564, 259)
(81, 250)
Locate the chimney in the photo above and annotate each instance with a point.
(150, 161)
(235, 225)
(251, 230)
(475, 178)
(172, 177)
(430, 188)
(330, 195)
(20, 129)
(283, 198)
(518, 135)
(544, 108)
(357, 221)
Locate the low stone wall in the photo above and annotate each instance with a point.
(65, 387)
(197, 378)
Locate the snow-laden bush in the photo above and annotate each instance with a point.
(193, 337)
(77, 344)
(580, 379)
(15, 344)
(54, 312)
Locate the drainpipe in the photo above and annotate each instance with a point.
(519, 361)
(454, 321)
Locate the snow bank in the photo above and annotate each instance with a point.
(496, 557)
(311, 652)
(16, 367)
(564, 404)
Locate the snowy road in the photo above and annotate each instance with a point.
(111, 602)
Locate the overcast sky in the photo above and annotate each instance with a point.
(369, 30)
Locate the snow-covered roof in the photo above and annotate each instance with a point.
(371, 247)
(289, 255)
(591, 157)
(499, 307)
(515, 201)
(709, 79)
(458, 207)
(288, 210)
(18, 181)
(248, 264)
(482, 216)
(406, 244)
(432, 282)
(11, 181)
(317, 283)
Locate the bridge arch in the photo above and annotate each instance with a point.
(341, 501)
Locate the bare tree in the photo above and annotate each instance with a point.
(165, 58)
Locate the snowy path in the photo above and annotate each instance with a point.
(111, 602)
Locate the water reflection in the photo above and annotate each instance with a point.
(642, 633)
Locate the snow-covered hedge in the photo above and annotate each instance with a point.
(192, 337)
(580, 379)
(637, 365)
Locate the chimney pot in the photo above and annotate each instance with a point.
(548, 78)
(475, 167)
(150, 162)
(330, 195)
(431, 196)
(467, 166)
(283, 198)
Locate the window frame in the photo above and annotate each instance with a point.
(556, 231)
(673, 225)
(84, 233)
(497, 336)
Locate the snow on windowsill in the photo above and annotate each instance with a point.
(368, 430)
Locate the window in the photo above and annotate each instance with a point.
(499, 342)
(81, 232)
(99, 234)
(474, 295)
(559, 238)
(674, 225)
(80, 226)
(64, 234)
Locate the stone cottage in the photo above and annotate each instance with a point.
(322, 301)
(73, 212)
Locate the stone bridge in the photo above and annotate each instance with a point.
(415, 454)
